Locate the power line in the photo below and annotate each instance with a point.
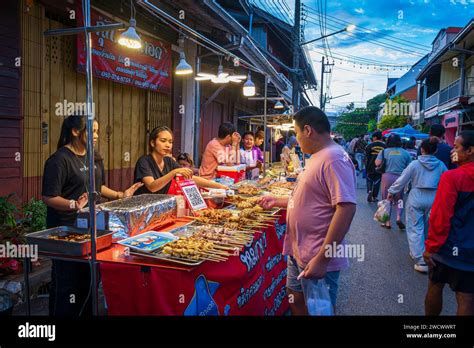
(365, 61)
(367, 30)
(377, 43)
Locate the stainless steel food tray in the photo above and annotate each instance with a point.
(66, 248)
(182, 231)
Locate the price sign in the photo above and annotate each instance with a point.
(192, 195)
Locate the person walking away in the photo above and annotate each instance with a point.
(319, 211)
(450, 243)
(373, 177)
(359, 150)
(410, 147)
(424, 175)
(351, 146)
(444, 150)
(396, 160)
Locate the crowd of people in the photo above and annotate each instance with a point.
(438, 183)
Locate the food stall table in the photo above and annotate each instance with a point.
(253, 283)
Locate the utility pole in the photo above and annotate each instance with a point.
(322, 93)
(321, 87)
(296, 56)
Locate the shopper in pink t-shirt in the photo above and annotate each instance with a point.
(319, 210)
(221, 150)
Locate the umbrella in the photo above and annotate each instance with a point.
(408, 131)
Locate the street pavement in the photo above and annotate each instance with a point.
(384, 283)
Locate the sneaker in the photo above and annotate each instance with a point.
(421, 267)
(370, 198)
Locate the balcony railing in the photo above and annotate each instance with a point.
(445, 95)
(431, 101)
(450, 92)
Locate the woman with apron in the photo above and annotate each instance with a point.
(65, 192)
(157, 170)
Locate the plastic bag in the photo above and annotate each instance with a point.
(383, 212)
(318, 300)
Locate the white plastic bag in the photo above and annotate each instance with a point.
(383, 212)
(318, 300)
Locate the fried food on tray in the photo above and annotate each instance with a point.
(193, 248)
(248, 190)
(215, 216)
(282, 184)
(244, 202)
(265, 181)
(71, 237)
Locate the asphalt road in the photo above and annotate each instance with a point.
(384, 283)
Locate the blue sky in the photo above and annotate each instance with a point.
(403, 30)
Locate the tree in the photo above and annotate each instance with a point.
(372, 126)
(396, 113)
(373, 105)
(353, 123)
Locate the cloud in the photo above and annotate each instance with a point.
(359, 10)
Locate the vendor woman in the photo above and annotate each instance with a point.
(157, 170)
(65, 185)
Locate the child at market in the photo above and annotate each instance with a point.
(185, 161)
(249, 156)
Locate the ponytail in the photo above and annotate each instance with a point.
(155, 133)
(430, 145)
(71, 122)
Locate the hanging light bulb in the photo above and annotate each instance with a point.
(183, 68)
(221, 75)
(249, 87)
(279, 105)
(129, 38)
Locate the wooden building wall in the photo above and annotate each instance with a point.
(124, 113)
(10, 95)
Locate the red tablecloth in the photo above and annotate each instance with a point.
(252, 283)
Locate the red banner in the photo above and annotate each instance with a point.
(253, 283)
(148, 67)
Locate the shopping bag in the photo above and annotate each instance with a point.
(318, 300)
(383, 212)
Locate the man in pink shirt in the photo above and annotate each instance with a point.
(319, 210)
(219, 151)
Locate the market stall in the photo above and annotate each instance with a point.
(216, 262)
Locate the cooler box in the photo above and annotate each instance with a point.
(237, 172)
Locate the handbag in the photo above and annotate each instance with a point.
(381, 168)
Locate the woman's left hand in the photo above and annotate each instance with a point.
(131, 190)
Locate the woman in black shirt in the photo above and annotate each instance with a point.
(65, 185)
(157, 169)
